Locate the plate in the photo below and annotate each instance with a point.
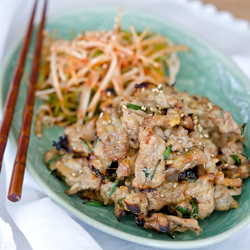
(203, 71)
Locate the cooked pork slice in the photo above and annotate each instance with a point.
(98, 162)
(158, 222)
(203, 191)
(180, 224)
(168, 224)
(104, 192)
(76, 131)
(179, 139)
(76, 172)
(149, 165)
(112, 134)
(126, 166)
(167, 193)
(136, 203)
(186, 161)
(223, 199)
(119, 194)
(226, 124)
(221, 180)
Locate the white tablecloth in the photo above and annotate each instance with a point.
(229, 35)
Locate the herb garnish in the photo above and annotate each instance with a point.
(113, 187)
(243, 128)
(137, 107)
(110, 164)
(184, 211)
(120, 201)
(155, 169)
(194, 207)
(86, 144)
(94, 203)
(97, 140)
(146, 172)
(189, 179)
(58, 175)
(53, 159)
(167, 152)
(236, 159)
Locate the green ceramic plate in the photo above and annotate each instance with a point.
(203, 71)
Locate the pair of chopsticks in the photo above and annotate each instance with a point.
(16, 183)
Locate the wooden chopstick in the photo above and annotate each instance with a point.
(16, 183)
(14, 89)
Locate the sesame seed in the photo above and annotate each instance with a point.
(226, 165)
(80, 171)
(175, 185)
(109, 121)
(186, 149)
(124, 106)
(143, 108)
(201, 136)
(73, 174)
(108, 93)
(178, 153)
(151, 109)
(206, 136)
(179, 141)
(143, 89)
(212, 155)
(155, 90)
(101, 115)
(159, 86)
(169, 162)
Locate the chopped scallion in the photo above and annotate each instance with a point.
(184, 211)
(146, 172)
(136, 107)
(243, 128)
(236, 159)
(194, 207)
(53, 159)
(97, 140)
(86, 144)
(113, 187)
(155, 169)
(120, 201)
(167, 152)
(189, 179)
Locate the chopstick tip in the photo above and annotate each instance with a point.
(14, 197)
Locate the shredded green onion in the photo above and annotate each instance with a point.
(184, 211)
(53, 159)
(113, 188)
(86, 144)
(146, 172)
(120, 201)
(243, 128)
(155, 169)
(136, 107)
(194, 207)
(189, 179)
(167, 152)
(236, 159)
